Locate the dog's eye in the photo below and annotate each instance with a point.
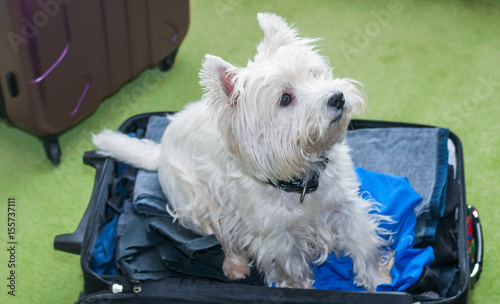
(286, 99)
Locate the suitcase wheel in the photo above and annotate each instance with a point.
(168, 62)
(52, 150)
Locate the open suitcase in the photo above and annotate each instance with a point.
(461, 224)
(59, 59)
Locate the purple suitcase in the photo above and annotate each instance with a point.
(60, 58)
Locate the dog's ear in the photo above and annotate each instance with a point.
(218, 79)
(276, 32)
(276, 28)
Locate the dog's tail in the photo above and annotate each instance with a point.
(140, 153)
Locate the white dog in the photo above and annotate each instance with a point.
(260, 162)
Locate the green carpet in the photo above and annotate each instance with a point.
(429, 62)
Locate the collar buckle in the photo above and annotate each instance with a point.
(303, 193)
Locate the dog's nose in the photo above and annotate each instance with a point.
(337, 100)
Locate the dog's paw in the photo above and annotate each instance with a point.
(306, 284)
(385, 266)
(371, 277)
(236, 268)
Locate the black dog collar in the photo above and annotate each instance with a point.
(299, 186)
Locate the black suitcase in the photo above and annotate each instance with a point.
(462, 226)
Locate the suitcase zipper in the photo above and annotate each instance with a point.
(118, 288)
(137, 286)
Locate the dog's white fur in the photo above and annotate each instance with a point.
(218, 156)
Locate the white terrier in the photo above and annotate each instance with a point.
(260, 162)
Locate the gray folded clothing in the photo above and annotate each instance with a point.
(419, 154)
(148, 195)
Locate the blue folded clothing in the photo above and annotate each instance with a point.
(419, 154)
(396, 199)
(148, 195)
(103, 255)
